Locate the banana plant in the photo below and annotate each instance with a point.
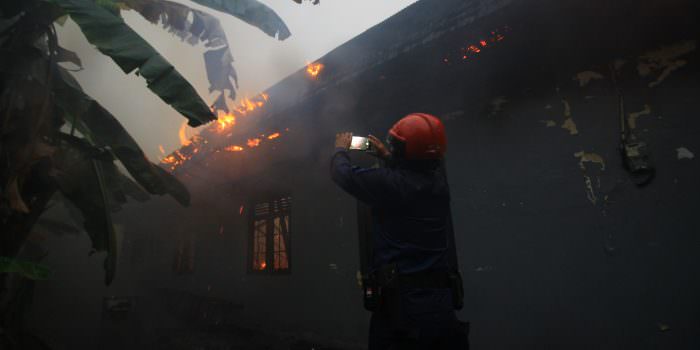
(58, 142)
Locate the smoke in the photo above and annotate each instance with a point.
(261, 61)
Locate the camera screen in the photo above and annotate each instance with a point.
(359, 143)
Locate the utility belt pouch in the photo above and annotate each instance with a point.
(457, 288)
(371, 292)
(376, 284)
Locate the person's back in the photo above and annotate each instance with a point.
(410, 217)
(411, 225)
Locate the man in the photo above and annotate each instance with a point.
(410, 204)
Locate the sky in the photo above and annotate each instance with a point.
(260, 60)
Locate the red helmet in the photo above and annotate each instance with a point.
(422, 136)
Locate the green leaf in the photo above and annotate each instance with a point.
(110, 263)
(129, 51)
(252, 12)
(122, 186)
(57, 227)
(29, 270)
(194, 26)
(105, 130)
(61, 21)
(64, 55)
(81, 180)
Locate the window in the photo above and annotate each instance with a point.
(269, 247)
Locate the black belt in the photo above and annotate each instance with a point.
(388, 277)
(427, 279)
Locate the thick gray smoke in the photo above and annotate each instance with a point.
(260, 60)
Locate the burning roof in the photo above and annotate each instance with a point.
(376, 46)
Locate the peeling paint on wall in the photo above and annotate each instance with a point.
(664, 59)
(684, 153)
(569, 123)
(585, 77)
(632, 118)
(585, 157)
(590, 193)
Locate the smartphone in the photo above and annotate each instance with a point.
(360, 143)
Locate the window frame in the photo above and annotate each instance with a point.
(269, 234)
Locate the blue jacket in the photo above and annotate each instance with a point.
(410, 209)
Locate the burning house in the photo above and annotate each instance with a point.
(564, 239)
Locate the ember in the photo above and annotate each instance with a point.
(314, 69)
(225, 120)
(183, 135)
(253, 142)
(233, 148)
(472, 50)
(273, 136)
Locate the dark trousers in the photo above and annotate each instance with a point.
(417, 332)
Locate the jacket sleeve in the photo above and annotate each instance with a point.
(374, 186)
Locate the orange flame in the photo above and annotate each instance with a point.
(246, 105)
(183, 135)
(225, 120)
(233, 148)
(263, 265)
(314, 69)
(473, 50)
(253, 142)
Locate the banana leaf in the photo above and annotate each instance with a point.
(110, 264)
(29, 270)
(194, 26)
(104, 130)
(57, 227)
(130, 52)
(80, 178)
(252, 12)
(64, 55)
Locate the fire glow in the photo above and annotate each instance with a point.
(314, 69)
(472, 50)
(233, 149)
(253, 142)
(224, 121)
(184, 141)
(222, 127)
